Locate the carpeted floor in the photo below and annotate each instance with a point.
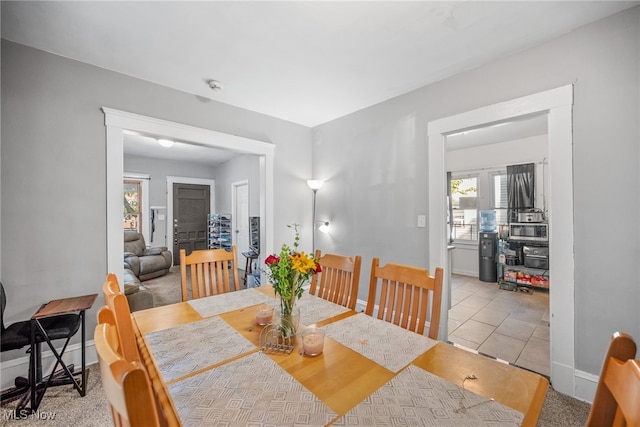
(62, 406)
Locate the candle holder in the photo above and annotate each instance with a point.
(312, 341)
(264, 314)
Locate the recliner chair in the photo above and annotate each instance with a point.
(146, 263)
(18, 335)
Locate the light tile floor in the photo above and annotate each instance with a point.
(509, 325)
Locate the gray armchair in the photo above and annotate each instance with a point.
(145, 263)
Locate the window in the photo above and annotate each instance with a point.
(132, 206)
(464, 200)
(499, 196)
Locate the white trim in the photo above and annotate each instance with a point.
(116, 121)
(586, 385)
(557, 103)
(185, 180)
(146, 209)
(234, 214)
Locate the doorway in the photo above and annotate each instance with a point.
(557, 104)
(191, 205)
(240, 216)
(117, 121)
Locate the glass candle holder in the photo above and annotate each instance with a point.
(264, 314)
(313, 341)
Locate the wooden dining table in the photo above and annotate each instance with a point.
(206, 360)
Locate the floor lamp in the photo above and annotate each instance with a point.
(314, 184)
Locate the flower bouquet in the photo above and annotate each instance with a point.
(288, 272)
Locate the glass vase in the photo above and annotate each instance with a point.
(288, 317)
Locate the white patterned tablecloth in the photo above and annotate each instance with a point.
(416, 397)
(385, 343)
(188, 348)
(218, 304)
(314, 309)
(252, 390)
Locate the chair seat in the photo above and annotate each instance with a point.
(14, 336)
(18, 335)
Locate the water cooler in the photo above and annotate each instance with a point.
(488, 247)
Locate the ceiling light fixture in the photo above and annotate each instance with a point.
(166, 143)
(215, 85)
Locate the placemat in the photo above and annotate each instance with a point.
(188, 348)
(252, 390)
(416, 397)
(217, 304)
(314, 309)
(385, 343)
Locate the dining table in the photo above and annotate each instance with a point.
(208, 364)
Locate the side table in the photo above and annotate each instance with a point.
(57, 307)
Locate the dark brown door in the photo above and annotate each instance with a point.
(190, 209)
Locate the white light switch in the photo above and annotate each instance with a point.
(160, 217)
(422, 221)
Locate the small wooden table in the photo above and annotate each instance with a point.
(55, 308)
(248, 268)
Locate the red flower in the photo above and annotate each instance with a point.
(272, 259)
(318, 268)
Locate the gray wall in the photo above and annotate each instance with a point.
(243, 168)
(53, 216)
(158, 170)
(375, 164)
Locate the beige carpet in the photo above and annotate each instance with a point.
(69, 409)
(167, 289)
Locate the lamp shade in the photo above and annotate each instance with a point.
(315, 184)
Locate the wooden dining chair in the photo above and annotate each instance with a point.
(125, 382)
(116, 312)
(339, 279)
(404, 296)
(211, 272)
(617, 399)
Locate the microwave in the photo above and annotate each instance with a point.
(529, 232)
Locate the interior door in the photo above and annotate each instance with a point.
(190, 209)
(241, 218)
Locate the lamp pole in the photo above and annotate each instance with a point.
(314, 184)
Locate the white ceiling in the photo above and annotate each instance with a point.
(307, 62)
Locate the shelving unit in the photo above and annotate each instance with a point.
(513, 277)
(254, 234)
(219, 230)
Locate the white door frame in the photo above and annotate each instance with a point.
(557, 103)
(234, 212)
(116, 121)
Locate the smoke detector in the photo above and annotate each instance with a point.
(215, 85)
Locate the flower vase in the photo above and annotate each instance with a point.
(288, 317)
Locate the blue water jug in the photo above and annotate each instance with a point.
(488, 220)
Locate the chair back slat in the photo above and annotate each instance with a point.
(404, 296)
(125, 383)
(119, 315)
(210, 272)
(339, 280)
(617, 398)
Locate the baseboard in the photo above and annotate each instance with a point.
(586, 385)
(471, 273)
(20, 366)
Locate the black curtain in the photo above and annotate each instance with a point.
(520, 189)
